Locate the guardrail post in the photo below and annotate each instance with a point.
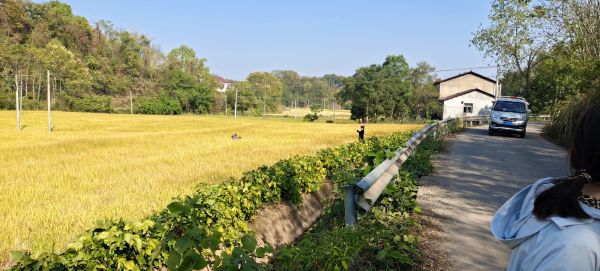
(349, 205)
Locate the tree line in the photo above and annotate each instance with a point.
(95, 68)
(100, 68)
(392, 90)
(550, 54)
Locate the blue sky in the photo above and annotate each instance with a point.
(311, 37)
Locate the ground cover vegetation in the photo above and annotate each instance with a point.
(209, 226)
(550, 54)
(381, 239)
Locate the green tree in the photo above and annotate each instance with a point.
(516, 37)
(266, 88)
(379, 90)
(64, 63)
(292, 83)
(425, 99)
(185, 58)
(194, 97)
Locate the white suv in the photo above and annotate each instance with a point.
(509, 114)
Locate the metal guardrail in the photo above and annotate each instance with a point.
(485, 119)
(475, 120)
(376, 181)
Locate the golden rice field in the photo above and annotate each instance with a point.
(106, 166)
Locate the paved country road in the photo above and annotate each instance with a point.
(472, 178)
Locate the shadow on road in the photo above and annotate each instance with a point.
(473, 177)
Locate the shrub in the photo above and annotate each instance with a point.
(311, 117)
(7, 101)
(158, 106)
(85, 103)
(381, 239)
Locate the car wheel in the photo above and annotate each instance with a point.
(522, 135)
(491, 132)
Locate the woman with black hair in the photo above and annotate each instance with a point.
(554, 224)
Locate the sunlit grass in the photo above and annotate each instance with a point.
(101, 166)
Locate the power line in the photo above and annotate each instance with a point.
(470, 68)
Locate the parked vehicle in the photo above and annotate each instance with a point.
(509, 114)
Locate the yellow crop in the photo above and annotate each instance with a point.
(54, 186)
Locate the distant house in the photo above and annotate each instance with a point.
(224, 83)
(467, 94)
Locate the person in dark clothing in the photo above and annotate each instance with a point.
(361, 133)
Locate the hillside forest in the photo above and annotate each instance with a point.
(97, 67)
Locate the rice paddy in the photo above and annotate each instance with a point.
(107, 166)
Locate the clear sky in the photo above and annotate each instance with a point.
(311, 37)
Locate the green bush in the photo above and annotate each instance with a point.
(7, 100)
(381, 239)
(158, 106)
(91, 103)
(311, 117)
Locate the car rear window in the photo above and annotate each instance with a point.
(508, 106)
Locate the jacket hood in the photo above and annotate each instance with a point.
(514, 222)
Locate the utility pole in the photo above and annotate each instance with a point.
(295, 106)
(130, 102)
(333, 104)
(226, 103)
(49, 118)
(17, 104)
(497, 94)
(21, 93)
(235, 105)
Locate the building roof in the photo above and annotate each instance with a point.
(221, 79)
(465, 92)
(463, 74)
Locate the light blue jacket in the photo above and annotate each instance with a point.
(552, 244)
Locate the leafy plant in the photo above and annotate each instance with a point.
(209, 227)
(311, 117)
(381, 239)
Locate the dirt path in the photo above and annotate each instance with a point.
(473, 177)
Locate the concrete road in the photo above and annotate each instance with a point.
(475, 176)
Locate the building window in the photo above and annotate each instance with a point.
(468, 108)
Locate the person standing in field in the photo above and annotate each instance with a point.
(361, 133)
(554, 224)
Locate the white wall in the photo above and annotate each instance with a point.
(482, 104)
(224, 88)
(465, 82)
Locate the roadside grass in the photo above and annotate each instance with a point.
(106, 166)
(383, 237)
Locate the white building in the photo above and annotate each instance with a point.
(223, 82)
(467, 94)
